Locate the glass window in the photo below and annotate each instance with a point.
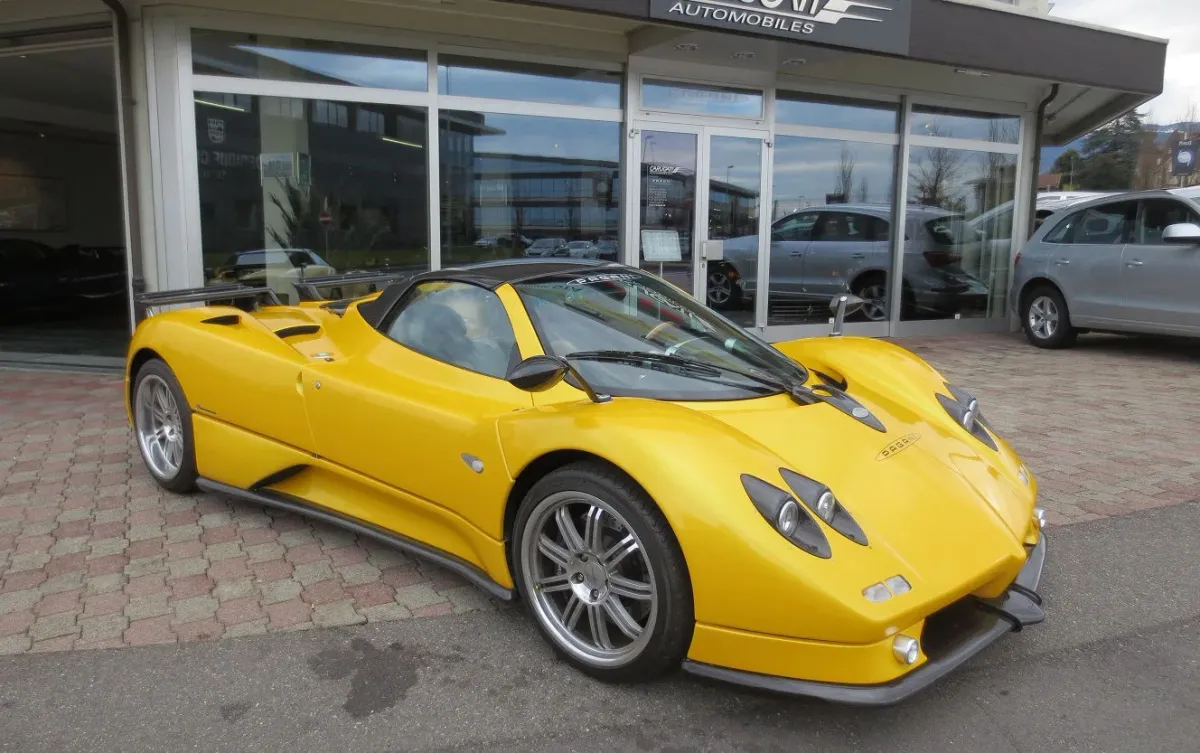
(519, 185)
(534, 82)
(814, 260)
(668, 205)
(228, 53)
(1158, 215)
(836, 112)
(631, 333)
(456, 323)
(963, 124)
(701, 99)
(954, 267)
(1062, 232)
(344, 198)
(1102, 225)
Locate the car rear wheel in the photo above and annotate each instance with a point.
(1045, 319)
(602, 574)
(162, 424)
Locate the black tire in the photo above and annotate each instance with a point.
(1063, 335)
(674, 624)
(183, 480)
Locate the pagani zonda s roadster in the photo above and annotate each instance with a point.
(824, 517)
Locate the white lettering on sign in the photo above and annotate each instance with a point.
(796, 16)
(600, 278)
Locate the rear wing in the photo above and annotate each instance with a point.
(361, 283)
(245, 297)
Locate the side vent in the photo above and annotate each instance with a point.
(225, 320)
(297, 330)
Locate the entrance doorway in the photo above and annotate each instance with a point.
(63, 277)
(701, 198)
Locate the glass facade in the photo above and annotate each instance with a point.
(529, 162)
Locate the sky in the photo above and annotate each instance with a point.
(1175, 20)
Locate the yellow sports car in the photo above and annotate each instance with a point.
(824, 517)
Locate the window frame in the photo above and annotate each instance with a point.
(412, 289)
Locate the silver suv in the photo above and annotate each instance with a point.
(1124, 263)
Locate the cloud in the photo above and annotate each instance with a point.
(1175, 20)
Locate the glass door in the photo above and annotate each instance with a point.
(699, 212)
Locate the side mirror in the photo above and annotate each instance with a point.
(538, 373)
(841, 306)
(1183, 232)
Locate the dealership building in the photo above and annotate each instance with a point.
(804, 148)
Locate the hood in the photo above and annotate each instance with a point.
(926, 492)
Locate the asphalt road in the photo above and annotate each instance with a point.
(1116, 667)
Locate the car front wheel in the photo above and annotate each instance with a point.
(1045, 319)
(602, 574)
(162, 424)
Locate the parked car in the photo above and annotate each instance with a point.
(582, 250)
(36, 276)
(547, 247)
(821, 252)
(278, 268)
(1121, 263)
(608, 249)
(659, 487)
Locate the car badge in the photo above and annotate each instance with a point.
(897, 447)
(861, 412)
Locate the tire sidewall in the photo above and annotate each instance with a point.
(185, 478)
(675, 616)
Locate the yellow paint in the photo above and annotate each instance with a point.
(384, 435)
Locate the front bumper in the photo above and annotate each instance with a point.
(988, 620)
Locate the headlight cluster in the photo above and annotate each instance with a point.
(797, 522)
(964, 408)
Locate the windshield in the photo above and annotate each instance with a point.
(629, 333)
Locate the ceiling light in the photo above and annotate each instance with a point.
(743, 55)
(795, 61)
(969, 72)
(687, 46)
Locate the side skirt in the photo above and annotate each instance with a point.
(297, 506)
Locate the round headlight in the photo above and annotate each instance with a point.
(788, 518)
(827, 506)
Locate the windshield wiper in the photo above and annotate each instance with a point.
(699, 369)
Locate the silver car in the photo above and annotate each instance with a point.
(1124, 263)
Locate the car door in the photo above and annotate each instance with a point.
(790, 237)
(844, 246)
(1161, 278)
(1086, 265)
(413, 407)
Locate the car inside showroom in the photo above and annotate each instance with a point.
(763, 156)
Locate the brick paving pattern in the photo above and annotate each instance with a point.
(94, 555)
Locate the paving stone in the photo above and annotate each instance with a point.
(336, 613)
(253, 627)
(149, 631)
(313, 572)
(386, 612)
(107, 547)
(60, 583)
(145, 607)
(223, 551)
(264, 552)
(54, 626)
(15, 644)
(104, 627)
(354, 575)
(107, 583)
(420, 595)
(187, 567)
(277, 591)
(235, 589)
(196, 608)
(286, 614)
(19, 601)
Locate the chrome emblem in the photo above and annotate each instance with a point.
(897, 447)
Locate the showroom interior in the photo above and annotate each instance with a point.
(758, 155)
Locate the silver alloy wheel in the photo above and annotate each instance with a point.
(1043, 317)
(159, 427)
(720, 288)
(874, 298)
(588, 579)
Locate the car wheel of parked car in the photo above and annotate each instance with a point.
(162, 424)
(1045, 319)
(873, 290)
(723, 293)
(602, 574)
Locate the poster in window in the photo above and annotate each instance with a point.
(32, 204)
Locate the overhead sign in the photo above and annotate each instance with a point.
(878, 25)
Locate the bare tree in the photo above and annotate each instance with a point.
(934, 173)
(845, 174)
(863, 191)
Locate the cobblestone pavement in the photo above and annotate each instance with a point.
(94, 555)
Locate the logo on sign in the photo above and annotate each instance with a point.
(897, 447)
(216, 130)
(879, 24)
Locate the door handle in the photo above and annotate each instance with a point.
(1134, 263)
(1062, 262)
